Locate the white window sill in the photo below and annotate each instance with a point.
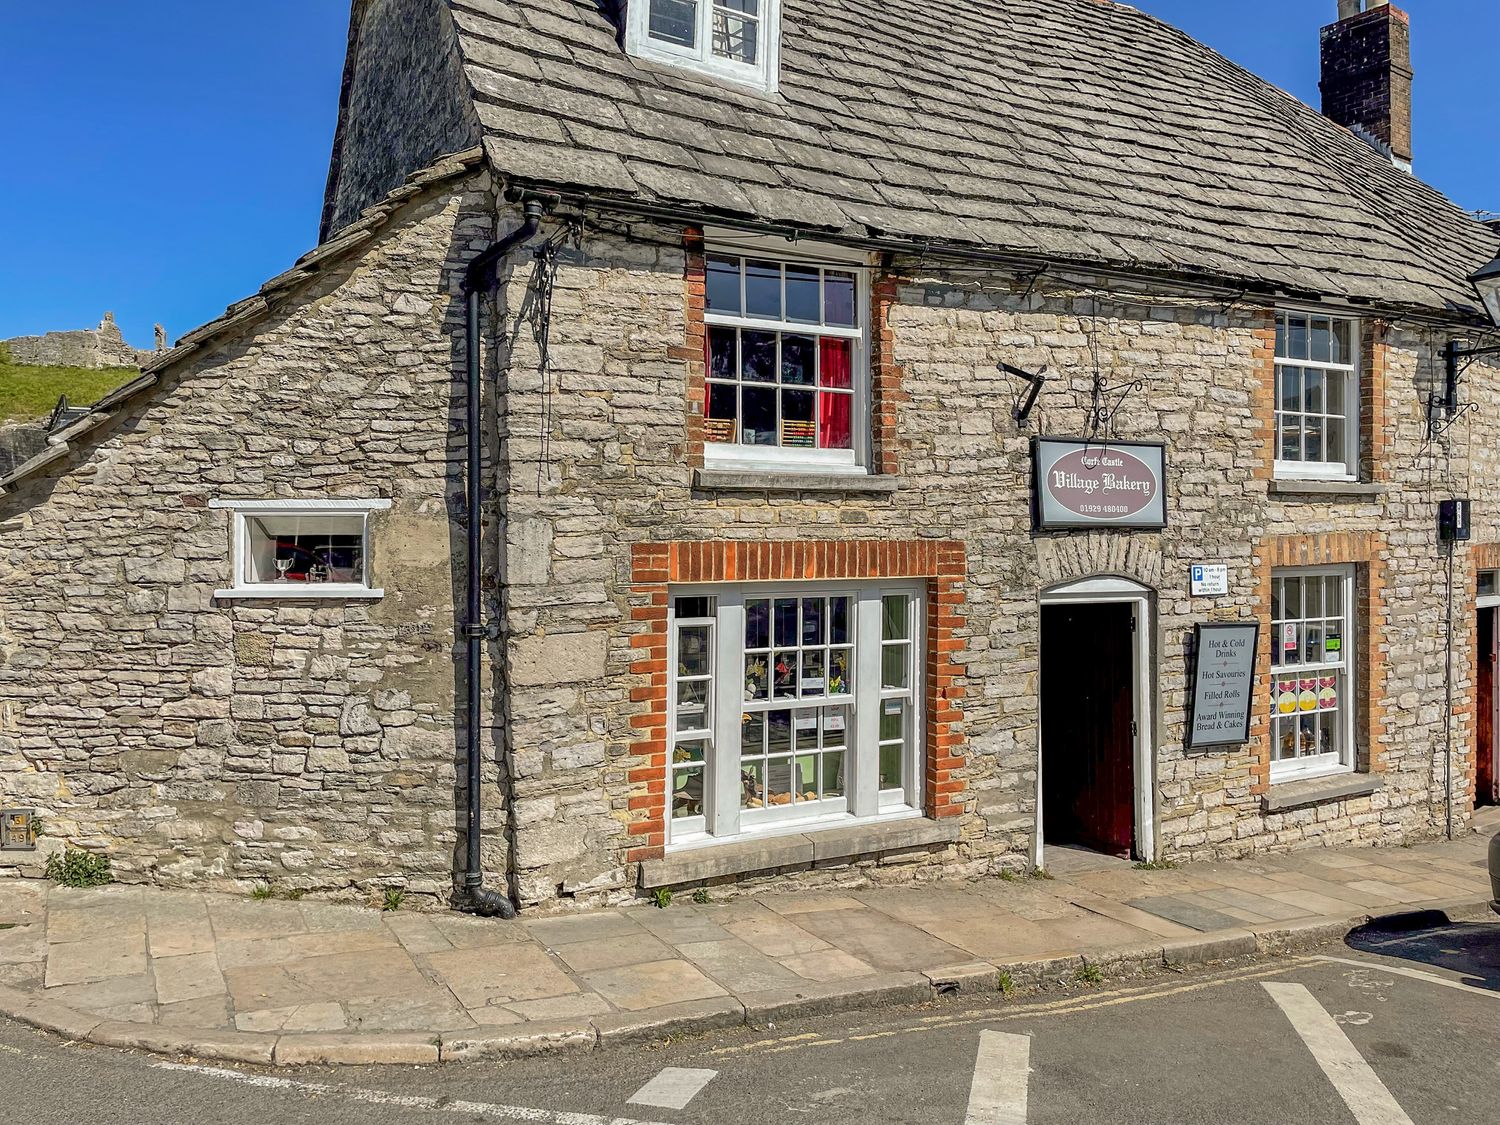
(292, 593)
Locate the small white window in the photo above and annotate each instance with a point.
(1317, 396)
(737, 40)
(1487, 587)
(1312, 672)
(788, 373)
(300, 548)
(791, 705)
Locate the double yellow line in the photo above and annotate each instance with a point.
(1080, 1003)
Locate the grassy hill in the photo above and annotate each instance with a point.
(28, 393)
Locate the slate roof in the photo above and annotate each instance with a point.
(1070, 130)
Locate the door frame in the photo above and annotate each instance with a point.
(1106, 589)
(1487, 603)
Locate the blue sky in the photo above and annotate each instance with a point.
(165, 158)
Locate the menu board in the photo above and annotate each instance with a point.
(1223, 683)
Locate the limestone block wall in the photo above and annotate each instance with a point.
(597, 454)
(308, 744)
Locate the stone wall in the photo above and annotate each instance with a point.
(18, 444)
(315, 745)
(95, 348)
(404, 103)
(306, 744)
(597, 457)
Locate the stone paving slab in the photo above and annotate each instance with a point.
(301, 983)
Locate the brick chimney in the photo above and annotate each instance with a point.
(1367, 75)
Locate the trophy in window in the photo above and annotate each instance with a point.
(282, 566)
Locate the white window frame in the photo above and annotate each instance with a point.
(763, 74)
(1491, 600)
(754, 458)
(724, 820)
(1348, 468)
(241, 584)
(1299, 769)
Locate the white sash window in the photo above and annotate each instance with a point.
(1312, 672)
(792, 705)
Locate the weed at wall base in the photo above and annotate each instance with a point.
(74, 867)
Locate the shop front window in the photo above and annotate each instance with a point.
(819, 723)
(1312, 704)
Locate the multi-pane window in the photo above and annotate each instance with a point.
(300, 548)
(693, 725)
(897, 702)
(792, 704)
(1317, 395)
(785, 359)
(734, 39)
(1312, 705)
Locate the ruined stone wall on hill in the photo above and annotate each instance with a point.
(97, 348)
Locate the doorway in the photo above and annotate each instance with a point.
(1487, 655)
(1095, 782)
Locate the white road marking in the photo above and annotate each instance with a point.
(673, 1088)
(1415, 974)
(406, 1101)
(1360, 1087)
(1002, 1072)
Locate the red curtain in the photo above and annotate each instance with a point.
(835, 410)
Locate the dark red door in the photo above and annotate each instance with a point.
(1485, 778)
(1088, 747)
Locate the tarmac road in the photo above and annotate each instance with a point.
(1394, 1028)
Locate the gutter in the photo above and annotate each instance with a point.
(479, 279)
(1019, 261)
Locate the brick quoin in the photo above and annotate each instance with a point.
(1482, 556)
(655, 566)
(694, 349)
(1366, 551)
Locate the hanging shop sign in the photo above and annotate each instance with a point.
(1223, 683)
(1098, 484)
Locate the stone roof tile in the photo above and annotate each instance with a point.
(1076, 129)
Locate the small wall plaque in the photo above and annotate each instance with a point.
(17, 830)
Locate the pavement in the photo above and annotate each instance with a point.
(1389, 1030)
(274, 982)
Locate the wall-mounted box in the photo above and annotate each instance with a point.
(17, 830)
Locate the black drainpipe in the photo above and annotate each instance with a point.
(478, 279)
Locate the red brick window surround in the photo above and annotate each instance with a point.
(1482, 557)
(1280, 408)
(1365, 550)
(656, 567)
(876, 371)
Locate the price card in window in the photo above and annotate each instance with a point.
(807, 722)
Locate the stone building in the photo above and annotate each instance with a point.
(863, 390)
(97, 348)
